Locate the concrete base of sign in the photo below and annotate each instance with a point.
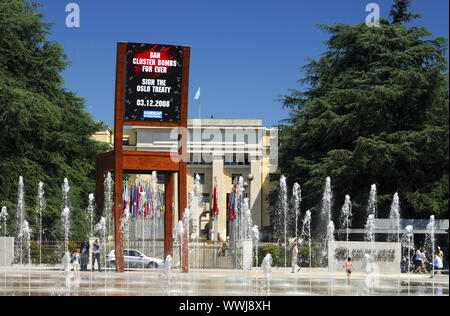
(6, 251)
(387, 255)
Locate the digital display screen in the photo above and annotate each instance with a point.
(153, 82)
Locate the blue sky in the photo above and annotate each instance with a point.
(244, 54)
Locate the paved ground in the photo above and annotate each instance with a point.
(53, 281)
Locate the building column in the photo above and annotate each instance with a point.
(217, 174)
(255, 198)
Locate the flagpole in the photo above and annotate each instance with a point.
(212, 211)
(216, 219)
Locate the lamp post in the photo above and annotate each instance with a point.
(250, 178)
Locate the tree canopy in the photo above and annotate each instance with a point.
(374, 111)
(45, 134)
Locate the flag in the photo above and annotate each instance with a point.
(197, 95)
(133, 200)
(233, 202)
(211, 205)
(216, 206)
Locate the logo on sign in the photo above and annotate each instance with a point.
(153, 114)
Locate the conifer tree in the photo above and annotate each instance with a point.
(373, 110)
(45, 133)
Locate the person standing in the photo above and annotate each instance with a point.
(76, 264)
(96, 248)
(84, 254)
(294, 258)
(437, 263)
(349, 268)
(441, 253)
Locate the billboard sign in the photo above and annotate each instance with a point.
(153, 82)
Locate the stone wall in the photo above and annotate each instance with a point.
(387, 256)
(6, 251)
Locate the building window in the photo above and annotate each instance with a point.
(205, 198)
(199, 160)
(234, 160)
(202, 177)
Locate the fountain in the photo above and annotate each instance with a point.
(369, 236)
(369, 261)
(65, 214)
(194, 205)
(142, 196)
(248, 222)
(153, 208)
(39, 209)
(238, 224)
(255, 240)
(108, 203)
(66, 261)
(3, 221)
(65, 218)
(25, 234)
(90, 211)
(394, 215)
(372, 207)
(125, 225)
(266, 267)
(4, 218)
(282, 213)
(101, 228)
(186, 226)
(296, 200)
(218, 281)
(329, 239)
(180, 234)
(326, 220)
(168, 263)
(370, 268)
(370, 231)
(430, 239)
(346, 216)
(306, 234)
(408, 243)
(327, 201)
(185, 245)
(20, 218)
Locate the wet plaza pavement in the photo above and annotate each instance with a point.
(54, 281)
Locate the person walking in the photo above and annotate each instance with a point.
(84, 254)
(349, 267)
(96, 248)
(294, 258)
(420, 261)
(76, 264)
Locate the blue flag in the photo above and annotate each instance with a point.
(197, 95)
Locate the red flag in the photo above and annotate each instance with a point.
(216, 206)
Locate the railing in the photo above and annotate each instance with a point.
(202, 254)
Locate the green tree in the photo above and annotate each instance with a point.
(374, 111)
(45, 134)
